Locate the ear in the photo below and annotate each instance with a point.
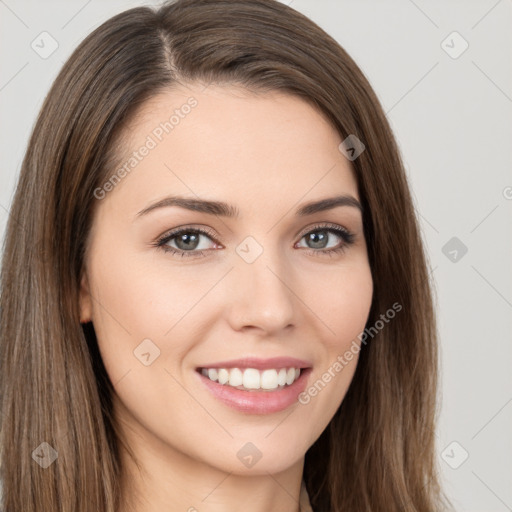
(85, 300)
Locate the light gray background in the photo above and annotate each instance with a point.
(452, 118)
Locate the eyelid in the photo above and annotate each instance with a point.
(188, 227)
(325, 225)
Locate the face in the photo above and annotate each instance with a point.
(223, 300)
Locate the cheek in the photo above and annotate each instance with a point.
(134, 297)
(344, 308)
(137, 299)
(343, 304)
(353, 308)
(123, 310)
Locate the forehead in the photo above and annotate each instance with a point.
(226, 140)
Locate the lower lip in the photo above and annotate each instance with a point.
(258, 402)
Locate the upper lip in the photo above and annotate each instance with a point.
(260, 364)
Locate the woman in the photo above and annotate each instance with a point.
(214, 280)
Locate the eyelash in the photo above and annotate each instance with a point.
(343, 233)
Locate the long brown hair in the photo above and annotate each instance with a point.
(378, 452)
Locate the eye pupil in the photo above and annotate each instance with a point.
(313, 237)
(190, 241)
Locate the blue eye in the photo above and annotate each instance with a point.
(188, 240)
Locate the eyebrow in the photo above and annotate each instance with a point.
(226, 210)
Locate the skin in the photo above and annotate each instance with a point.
(266, 154)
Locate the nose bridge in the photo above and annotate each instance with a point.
(261, 290)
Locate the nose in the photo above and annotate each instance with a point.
(260, 294)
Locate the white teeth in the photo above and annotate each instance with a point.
(223, 376)
(269, 379)
(290, 375)
(235, 377)
(251, 378)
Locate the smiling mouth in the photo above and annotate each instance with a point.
(252, 379)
